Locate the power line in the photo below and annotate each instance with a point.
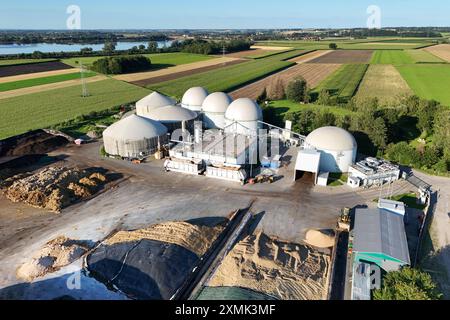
(84, 90)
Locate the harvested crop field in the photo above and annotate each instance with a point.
(38, 75)
(345, 57)
(383, 82)
(284, 270)
(133, 77)
(176, 75)
(158, 258)
(247, 53)
(423, 56)
(441, 50)
(313, 74)
(310, 56)
(15, 70)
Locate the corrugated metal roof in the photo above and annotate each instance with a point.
(380, 231)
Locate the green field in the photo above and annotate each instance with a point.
(10, 62)
(344, 82)
(43, 80)
(422, 56)
(228, 78)
(41, 110)
(428, 81)
(158, 59)
(266, 54)
(395, 57)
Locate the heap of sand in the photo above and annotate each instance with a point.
(285, 270)
(320, 239)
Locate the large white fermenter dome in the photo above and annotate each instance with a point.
(337, 146)
(243, 116)
(193, 98)
(173, 116)
(153, 101)
(214, 108)
(134, 136)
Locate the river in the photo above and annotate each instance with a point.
(55, 47)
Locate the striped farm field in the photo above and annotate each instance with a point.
(344, 82)
(428, 81)
(43, 109)
(442, 51)
(395, 57)
(14, 62)
(423, 56)
(14, 85)
(313, 74)
(384, 82)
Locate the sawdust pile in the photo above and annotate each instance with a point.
(194, 238)
(54, 255)
(288, 271)
(53, 188)
(320, 239)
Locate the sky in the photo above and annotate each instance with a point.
(225, 14)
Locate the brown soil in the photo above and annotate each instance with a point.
(52, 188)
(176, 75)
(289, 271)
(34, 142)
(38, 75)
(194, 238)
(8, 71)
(313, 74)
(345, 56)
(310, 56)
(441, 51)
(54, 255)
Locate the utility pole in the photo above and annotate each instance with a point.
(84, 90)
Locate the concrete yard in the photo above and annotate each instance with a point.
(146, 195)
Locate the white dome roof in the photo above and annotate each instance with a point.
(135, 128)
(244, 109)
(194, 96)
(155, 100)
(217, 102)
(331, 138)
(172, 114)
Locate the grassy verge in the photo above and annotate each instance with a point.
(44, 109)
(43, 80)
(337, 179)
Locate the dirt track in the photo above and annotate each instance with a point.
(38, 75)
(46, 87)
(441, 51)
(134, 77)
(345, 56)
(177, 75)
(32, 68)
(313, 74)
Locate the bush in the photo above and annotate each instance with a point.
(297, 90)
(333, 46)
(122, 64)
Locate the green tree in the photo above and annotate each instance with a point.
(109, 47)
(407, 284)
(324, 98)
(297, 90)
(262, 97)
(152, 46)
(442, 132)
(425, 116)
(333, 46)
(276, 90)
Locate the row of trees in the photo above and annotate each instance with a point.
(212, 47)
(122, 64)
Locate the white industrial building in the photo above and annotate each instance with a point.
(372, 172)
(152, 101)
(193, 98)
(243, 116)
(173, 117)
(214, 107)
(134, 137)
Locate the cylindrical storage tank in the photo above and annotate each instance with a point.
(193, 99)
(214, 108)
(337, 146)
(153, 101)
(173, 116)
(134, 136)
(243, 116)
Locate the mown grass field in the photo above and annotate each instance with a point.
(164, 59)
(11, 62)
(395, 57)
(228, 78)
(384, 82)
(344, 82)
(428, 81)
(43, 80)
(422, 56)
(41, 110)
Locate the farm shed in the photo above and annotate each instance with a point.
(380, 239)
(308, 160)
(214, 108)
(134, 137)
